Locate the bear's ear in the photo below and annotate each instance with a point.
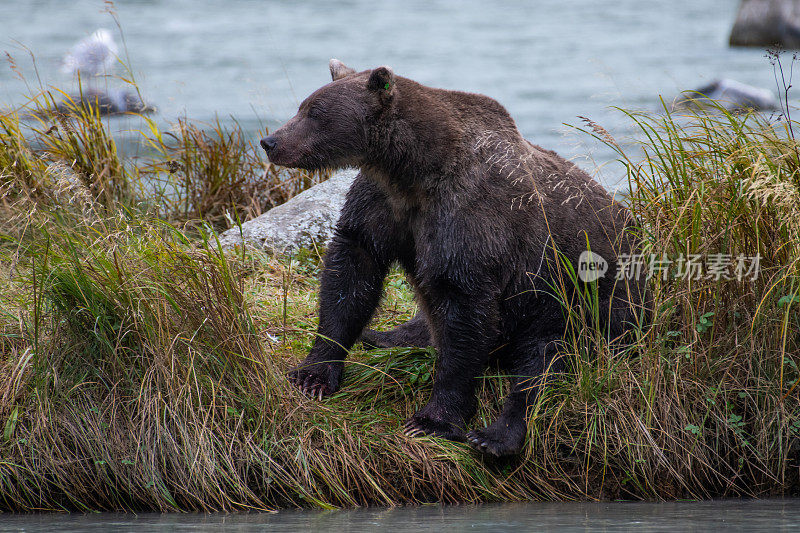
(339, 70)
(381, 81)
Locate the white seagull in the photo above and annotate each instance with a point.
(92, 56)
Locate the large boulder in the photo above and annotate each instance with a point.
(306, 220)
(767, 23)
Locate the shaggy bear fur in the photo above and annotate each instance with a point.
(474, 214)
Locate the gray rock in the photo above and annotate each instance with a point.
(307, 219)
(730, 94)
(767, 23)
(111, 102)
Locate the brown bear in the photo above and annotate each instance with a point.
(482, 222)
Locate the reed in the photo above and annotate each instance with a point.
(215, 173)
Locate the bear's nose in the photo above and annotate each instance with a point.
(268, 143)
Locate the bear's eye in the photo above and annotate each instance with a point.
(314, 112)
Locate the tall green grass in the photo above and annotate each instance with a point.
(708, 404)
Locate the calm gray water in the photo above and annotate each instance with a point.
(547, 61)
(686, 517)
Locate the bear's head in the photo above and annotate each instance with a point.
(332, 127)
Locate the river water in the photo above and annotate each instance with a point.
(773, 516)
(547, 61)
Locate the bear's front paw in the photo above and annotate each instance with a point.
(420, 424)
(495, 441)
(317, 379)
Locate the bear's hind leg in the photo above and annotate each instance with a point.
(464, 327)
(414, 333)
(531, 364)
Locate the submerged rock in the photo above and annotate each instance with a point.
(306, 220)
(767, 23)
(730, 94)
(110, 102)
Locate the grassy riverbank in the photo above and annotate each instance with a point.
(143, 367)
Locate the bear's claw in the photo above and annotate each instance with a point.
(416, 428)
(419, 426)
(413, 431)
(484, 442)
(476, 442)
(314, 381)
(312, 388)
(314, 391)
